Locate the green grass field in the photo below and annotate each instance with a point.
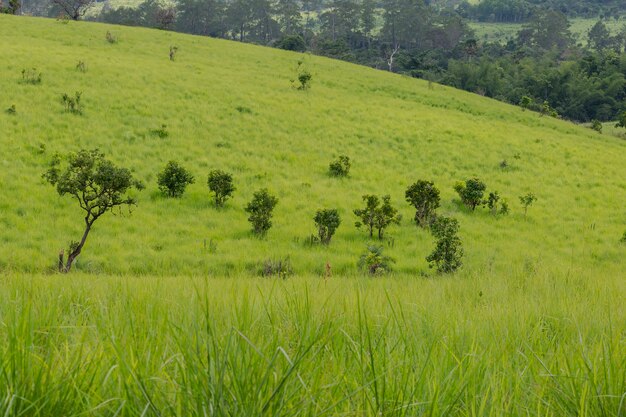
(164, 314)
(501, 32)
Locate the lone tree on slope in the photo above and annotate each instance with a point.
(74, 9)
(97, 184)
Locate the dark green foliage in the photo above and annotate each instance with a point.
(596, 125)
(424, 196)
(623, 239)
(527, 200)
(374, 261)
(260, 209)
(471, 192)
(161, 132)
(81, 66)
(96, 183)
(526, 102)
(110, 37)
(174, 179)
(280, 268)
(493, 203)
(292, 43)
(448, 252)
(173, 52)
(13, 7)
(547, 110)
(221, 184)
(504, 208)
(621, 120)
(73, 103)
(340, 167)
(375, 216)
(327, 222)
(11, 110)
(31, 76)
(303, 77)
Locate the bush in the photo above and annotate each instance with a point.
(303, 77)
(327, 222)
(340, 167)
(161, 132)
(623, 239)
(471, 192)
(111, 38)
(11, 110)
(377, 216)
(81, 66)
(73, 103)
(374, 261)
(448, 252)
(292, 43)
(174, 179)
(527, 200)
(280, 268)
(424, 196)
(492, 202)
(221, 184)
(260, 209)
(173, 52)
(31, 76)
(596, 125)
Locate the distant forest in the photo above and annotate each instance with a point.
(543, 67)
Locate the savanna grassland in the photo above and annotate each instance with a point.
(165, 314)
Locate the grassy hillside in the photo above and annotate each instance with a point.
(162, 317)
(395, 129)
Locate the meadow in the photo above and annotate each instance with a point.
(502, 32)
(165, 314)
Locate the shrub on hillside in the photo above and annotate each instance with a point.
(596, 125)
(448, 252)
(374, 261)
(424, 196)
(527, 200)
(221, 184)
(260, 208)
(377, 216)
(471, 192)
(327, 222)
(292, 43)
(73, 103)
(340, 167)
(174, 179)
(31, 76)
(280, 268)
(623, 239)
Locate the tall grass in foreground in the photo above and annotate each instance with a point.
(524, 345)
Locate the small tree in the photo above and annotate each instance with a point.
(449, 250)
(471, 192)
(221, 184)
(621, 120)
(492, 202)
(424, 196)
(260, 209)
(527, 200)
(174, 179)
(74, 9)
(327, 222)
(98, 186)
(374, 261)
(596, 125)
(377, 216)
(340, 167)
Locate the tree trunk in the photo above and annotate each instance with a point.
(74, 254)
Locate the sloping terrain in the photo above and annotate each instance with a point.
(232, 106)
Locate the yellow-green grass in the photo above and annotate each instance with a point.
(528, 343)
(501, 32)
(395, 129)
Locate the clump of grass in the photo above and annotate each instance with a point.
(111, 37)
(160, 132)
(11, 110)
(31, 76)
(280, 267)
